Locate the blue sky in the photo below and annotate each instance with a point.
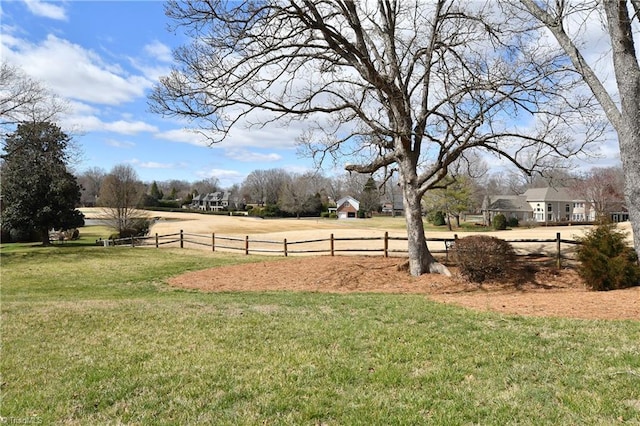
(105, 56)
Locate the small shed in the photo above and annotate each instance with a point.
(347, 208)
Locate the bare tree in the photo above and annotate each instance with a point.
(90, 182)
(206, 186)
(297, 195)
(120, 193)
(264, 186)
(23, 99)
(602, 188)
(236, 199)
(418, 85)
(622, 109)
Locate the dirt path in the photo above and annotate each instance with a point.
(545, 292)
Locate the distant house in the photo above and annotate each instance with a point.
(347, 208)
(214, 201)
(393, 208)
(511, 206)
(540, 205)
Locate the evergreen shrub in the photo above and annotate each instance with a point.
(437, 218)
(606, 261)
(499, 222)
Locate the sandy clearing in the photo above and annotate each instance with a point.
(315, 228)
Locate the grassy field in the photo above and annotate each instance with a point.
(93, 335)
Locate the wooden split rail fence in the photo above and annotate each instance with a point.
(331, 245)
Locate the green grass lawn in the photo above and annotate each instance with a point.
(93, 335)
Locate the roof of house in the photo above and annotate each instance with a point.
(510, 203)
(397, 204)
(549, 194)
(213, 196)
(355, 203)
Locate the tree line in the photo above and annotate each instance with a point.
(278, 192)
(41, 194)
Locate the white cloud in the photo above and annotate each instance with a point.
(80, 108)
(184, 136)
(273, 137)
(119, 144)
(73, 71)
(129, 127)
(159, 51)
(47, 9)
(91, 123)
(154, 164)
(300, 169)
(158, 165)
(225, 176)
(248, 156)
(154, 53)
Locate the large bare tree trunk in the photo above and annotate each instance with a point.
(630, 155)
(421, 260)
(627, 73)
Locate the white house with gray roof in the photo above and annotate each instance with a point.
(540, 205)
(213, 201)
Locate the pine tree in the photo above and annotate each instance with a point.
(155, 192)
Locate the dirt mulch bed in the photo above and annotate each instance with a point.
(536, 288)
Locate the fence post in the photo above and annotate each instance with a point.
(331, 244)
(213, 241)
(132, 243)
(246, 245)
(386, 244)
(181, 239)
(285, 248)
(157, 240)
(558, 255)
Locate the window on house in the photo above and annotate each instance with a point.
(549, 207)
(568, 208)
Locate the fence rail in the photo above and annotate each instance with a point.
(331, 245)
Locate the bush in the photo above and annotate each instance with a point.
(138, 228)
(499, 222)
(169, 204)
(513, 222)
(23, 236)
(436, 218)
(606, 262)
(481, 257)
